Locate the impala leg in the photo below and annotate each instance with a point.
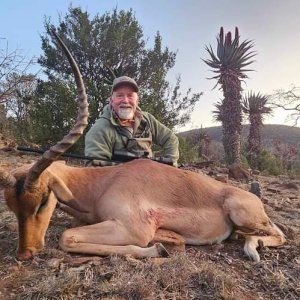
(253, 242)
(79, 216)
(170, 239)
(106, 238)
(248, 215)
(271, 236)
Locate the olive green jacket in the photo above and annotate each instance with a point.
(107, 135)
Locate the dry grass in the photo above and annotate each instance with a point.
(176, 278)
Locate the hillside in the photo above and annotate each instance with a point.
(287, 134)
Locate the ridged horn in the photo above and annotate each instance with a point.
(70, 139)
(6, 179)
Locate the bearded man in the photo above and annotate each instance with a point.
(124, 126)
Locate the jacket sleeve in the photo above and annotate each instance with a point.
(165, 138)
(99, 141)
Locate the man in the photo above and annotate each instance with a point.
(123, 126)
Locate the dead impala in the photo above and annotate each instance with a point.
(126, 205)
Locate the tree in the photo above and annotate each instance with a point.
(112, 45)
(287, 153)
(12, 63)
(19, 105)
(187, 150)
(229, 63)
(3, 119)
(202, 141)
(289, 101)
(255, 107)
(51, 97)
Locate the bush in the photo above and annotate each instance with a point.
(270, 165)
(187, 151)
(296, 168)
(244, 162)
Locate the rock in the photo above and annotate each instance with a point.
(223, 170)
(54, 262)
(222, 178)
(255, 188)
(274, 189)
(238, 173)
(212, 173)
(290, 185)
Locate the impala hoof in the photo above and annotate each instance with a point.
(162, 251)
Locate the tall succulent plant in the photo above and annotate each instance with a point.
(255, 106)
(229, 63)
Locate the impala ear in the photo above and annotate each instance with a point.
(62, 192)
(6, 179)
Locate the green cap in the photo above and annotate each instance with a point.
(124, 80)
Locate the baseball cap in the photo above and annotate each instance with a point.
(124, 80)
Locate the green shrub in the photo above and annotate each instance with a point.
(187, 151)
(244, 162)
(270, 165)
(296, 168)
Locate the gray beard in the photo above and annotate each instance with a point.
(125, 113)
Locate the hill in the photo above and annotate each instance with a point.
(286, 134)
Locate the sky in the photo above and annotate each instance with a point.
(186, 26)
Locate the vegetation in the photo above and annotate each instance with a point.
(112, 45)
(255, 107)
(280, 147)
(104, 46)
(289, 101)
(229, 63)
(270, 164)
(187, 150)
(203, 141)
(14, 67)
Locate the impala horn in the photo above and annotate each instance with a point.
(71, 138)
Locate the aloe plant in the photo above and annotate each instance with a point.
(229, 63)
(255, 106)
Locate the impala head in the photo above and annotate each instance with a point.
(33, 208)
(31, 192)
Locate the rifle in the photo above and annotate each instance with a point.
(119, 156)
(125, 156)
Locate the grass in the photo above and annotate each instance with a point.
(176, 278)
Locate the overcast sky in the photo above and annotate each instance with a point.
(186, 26)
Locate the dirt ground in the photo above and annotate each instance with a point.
(206, 272)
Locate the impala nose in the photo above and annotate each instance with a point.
(26, 255)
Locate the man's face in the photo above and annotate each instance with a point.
(124, 101)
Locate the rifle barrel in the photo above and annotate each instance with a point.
(120, 158)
